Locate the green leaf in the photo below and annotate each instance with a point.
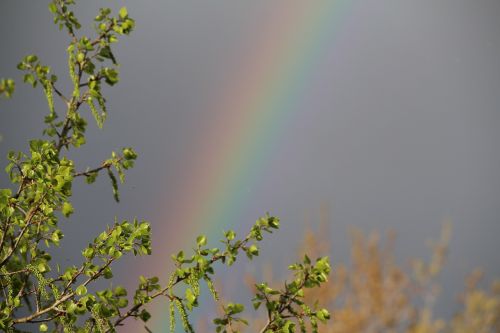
(190, 297)
(56, 236)
(323, 315)
(80, 57)
(144, 315)
(123, 13)
(4, 198)
(81, 290)
(120, 291)
(230, 235)
(108, 273)
(201, 240)
(7, 87)
(52, 7)
(129, 154)
(88, 252)
(31, 58)
(114, 185)
(233, 309)
(106, 53)
(42, 267)
(110, 76)
(253, 250)
(67, 209)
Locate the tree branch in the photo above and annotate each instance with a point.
(163, 292)
(104, 165)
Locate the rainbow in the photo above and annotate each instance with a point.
(254, 108)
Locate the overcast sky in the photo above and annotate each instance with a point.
(400, 131)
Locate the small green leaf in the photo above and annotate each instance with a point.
(201, 240)
(7, 87)
(67, 209)
(88, 252)
(323, 315)
(123, 12)
(52, 7)
(253, 250)
(144, 315)
(191, 298)
(114, 185)
(41, 267)
(81, 290)
(230, 235)
(80, 57)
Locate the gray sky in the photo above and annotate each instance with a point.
(401, 130)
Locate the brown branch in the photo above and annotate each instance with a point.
(96, 78)
(15, 272)
(64, 298)
(49, 319)
(104, 165)
(102, 35)
(37, 314)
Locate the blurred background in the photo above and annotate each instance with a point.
(379, 115)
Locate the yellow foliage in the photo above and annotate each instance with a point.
(374, 294)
